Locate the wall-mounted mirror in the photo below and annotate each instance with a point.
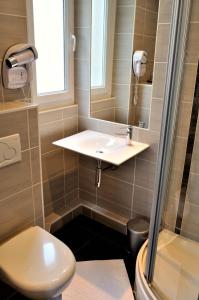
(119, 29)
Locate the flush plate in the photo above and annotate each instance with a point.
(10, 150)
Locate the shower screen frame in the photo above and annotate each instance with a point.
(177, 46)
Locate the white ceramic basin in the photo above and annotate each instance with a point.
(102, 146)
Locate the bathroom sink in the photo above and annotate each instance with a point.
(102, 146)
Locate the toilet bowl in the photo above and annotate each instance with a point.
(36, 264)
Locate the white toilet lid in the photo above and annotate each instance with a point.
(35, 261)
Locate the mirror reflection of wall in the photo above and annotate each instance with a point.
(119, 28)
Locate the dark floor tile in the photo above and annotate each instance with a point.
(74, 237)
(100, 248)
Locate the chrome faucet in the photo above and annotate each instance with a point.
(129, 132)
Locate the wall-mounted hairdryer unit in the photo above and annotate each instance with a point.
(16, 69)
(139, 63)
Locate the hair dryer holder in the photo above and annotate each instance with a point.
(16, 68)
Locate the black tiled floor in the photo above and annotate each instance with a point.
(90, 240)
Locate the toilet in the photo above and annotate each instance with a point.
(37, 264)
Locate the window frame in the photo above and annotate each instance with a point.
(105, 91)
(56, 98)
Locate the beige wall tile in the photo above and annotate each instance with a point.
(165, 11)
(194, 11)
(16, 94)
(33, 127)
(150, 23)
(149, 46)
(195, 157)
(83, 195)
(53, 190)
(70, 160)
(145, 174)
(70, 111)
(87, 180)
(125, 2)
(15, 7)
(122, 71)
(71, 181)
(117, 191)
(15, 177)
(124, 19)
(188, 82)
(193, 189)
(179, 153)
(175, 182)
(139, 21)
(38, 201)
(138, 42)
(113, 207)
(159, 80)
(170, 214)
(144, 95)
(16, 213)
(10, 34)
(87, 162)
(50, 116)
(156, 114)
(35, 165)
(122, 95)
(190, 223)
(15, 122)
(124, 172)
(123, 46)
(105, 114)
(70, 126)
(152, 5)
(162, 43)
(192, 51)
(142, 201)
(151, 138)
(102, 104)
(54, 208)
(49, 133)
(184, 117)
(52, 164)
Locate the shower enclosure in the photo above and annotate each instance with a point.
(168, 264)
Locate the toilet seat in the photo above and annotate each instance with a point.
(36, 263)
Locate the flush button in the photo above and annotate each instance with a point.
(10, 150)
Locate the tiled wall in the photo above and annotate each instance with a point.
(21, 203)
(129, 189)
(146, 13)
(190, 218)
(59, 167)
(143, 107)
(103, 109)
(13, 30)
(122, 60)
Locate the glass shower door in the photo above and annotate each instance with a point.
(176, 273)
(172, 264)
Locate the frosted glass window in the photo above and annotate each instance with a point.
(98, 44)
(49, 40)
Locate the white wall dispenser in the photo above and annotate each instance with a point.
(16, 69)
